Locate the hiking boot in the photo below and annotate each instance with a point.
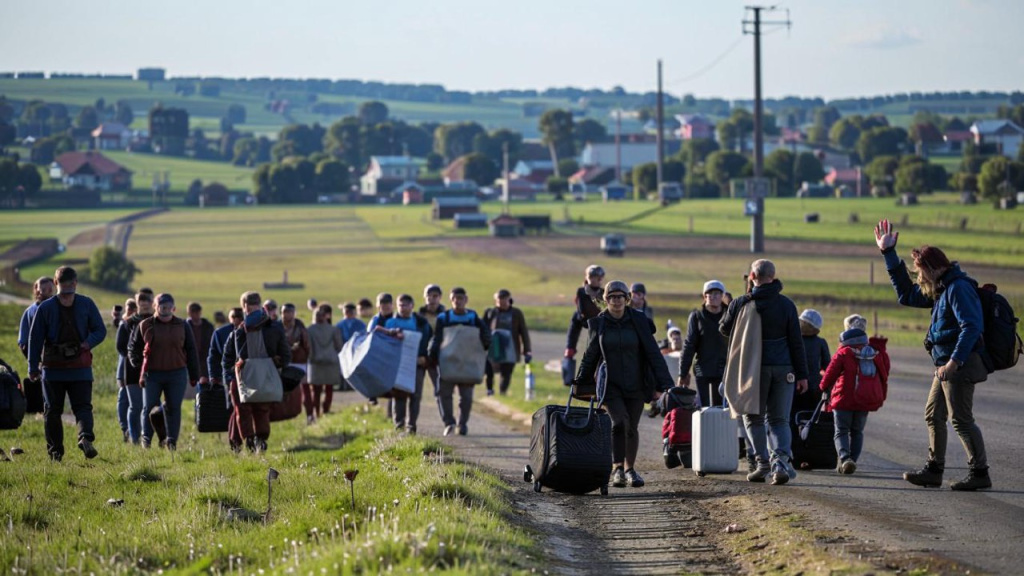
(975, 480)
(847, 466)
(619, 477)
(449, 430)
(930, 476)
(751, 464)
(759, 473)
(88, 449)
(779, 475)
(235, 447)
(250, 443)
(463, 430)
(633, 479)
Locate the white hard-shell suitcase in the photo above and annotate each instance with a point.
(715, 450)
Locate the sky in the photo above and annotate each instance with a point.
(834, 48)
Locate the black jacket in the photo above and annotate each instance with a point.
(781, 342)
(636, 367)
(123, 338)
(704, 341)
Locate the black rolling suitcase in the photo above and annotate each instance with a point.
(813, 439)
(570, 448)
(212, 411)
(33, 391)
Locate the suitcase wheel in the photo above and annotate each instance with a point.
(536, 486)
(527, 474)
(604, 490)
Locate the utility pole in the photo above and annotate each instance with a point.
(660, 113)
(504, 173)
(618, 145)
(757, 221)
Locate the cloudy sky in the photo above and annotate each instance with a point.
(834, 48)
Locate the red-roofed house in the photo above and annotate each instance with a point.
(90, 170)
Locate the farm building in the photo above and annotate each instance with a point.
(447, 208)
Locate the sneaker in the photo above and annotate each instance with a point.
(463, 430)
(372, 401)
(634, 479)
(490, 392)
(144, 442)
(779, 475)
(235, 447)
(171, 445)
(619, 477)
(975, 480)
(930, 476)
(751, 464)
(759, 473)
(449, 430)
(790, 470)
(250, 444)
(310, 420)
(410, 430)
(88, 449)
(848, 466)
(127, 438)
(56, 456)
(261, 445)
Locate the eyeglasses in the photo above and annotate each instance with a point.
(616, 297)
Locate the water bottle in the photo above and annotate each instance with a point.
(529, 381)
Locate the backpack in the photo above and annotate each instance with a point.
(867, 384)
(12, 402)
(1002, 343)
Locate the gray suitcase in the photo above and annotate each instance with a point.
(715, 450)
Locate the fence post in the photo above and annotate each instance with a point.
(871, 272)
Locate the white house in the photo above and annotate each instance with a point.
(390, 171)
(1004, 134)
(634, 150)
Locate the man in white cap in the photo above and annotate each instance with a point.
(706, 343)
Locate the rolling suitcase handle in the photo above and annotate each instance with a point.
(602, 388)
(805, 430)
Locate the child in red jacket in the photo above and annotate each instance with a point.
(858, 377)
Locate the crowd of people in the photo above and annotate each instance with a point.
(758, 335)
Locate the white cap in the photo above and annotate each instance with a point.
(713, 285)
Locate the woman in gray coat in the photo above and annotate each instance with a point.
(322, 368)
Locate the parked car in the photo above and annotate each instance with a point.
(613, 244)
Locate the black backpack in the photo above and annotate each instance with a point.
(1002, 343)
(12, 402)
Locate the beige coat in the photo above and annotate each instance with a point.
(743, 365)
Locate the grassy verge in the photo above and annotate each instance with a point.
(415, 506)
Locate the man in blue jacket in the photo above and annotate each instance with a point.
(42, 291)
(955, 344)
(64, 331)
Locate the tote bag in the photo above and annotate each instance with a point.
(258, 378)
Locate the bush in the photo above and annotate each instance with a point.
(110, 269)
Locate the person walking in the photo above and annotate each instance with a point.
(129, 309)
(215, 367)
(818, 357)
(782, 367)
(956, 347)
(42, 290)
(458, 315)
(408, 321)
(132, 387)
(63, 333)
(385, 310)
(164, 350)
(621, 337)
(857, 382)
(432, 307)
(705, 344)
(323, 369)
(253, 418)
(202, 333)
(298, 340)
(508, 325)
(638, 300)
(589, 299)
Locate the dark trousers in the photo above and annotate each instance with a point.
(953, 399)
(311, 394)
(445, 392)
(709, 385)
(253, 418)
(505, 371)
(328, 398)
(625, 414)
(79, 393)
(412, 402)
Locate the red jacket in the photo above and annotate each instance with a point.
(850, 389)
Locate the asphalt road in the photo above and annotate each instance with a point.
(983, 530)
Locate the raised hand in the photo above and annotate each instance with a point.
(885, 238)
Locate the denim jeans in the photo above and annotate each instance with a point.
(170, 383)
(135, 412)
(122, 408)
(849, 435)
(776, 401)
(79, 393)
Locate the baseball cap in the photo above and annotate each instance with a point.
(638, 288)
(713, 285)
(595, 270)
(615, 286)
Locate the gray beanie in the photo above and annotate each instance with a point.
(855, 321)
(812, 317)
(853, 337)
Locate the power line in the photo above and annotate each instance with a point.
(709, 66)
